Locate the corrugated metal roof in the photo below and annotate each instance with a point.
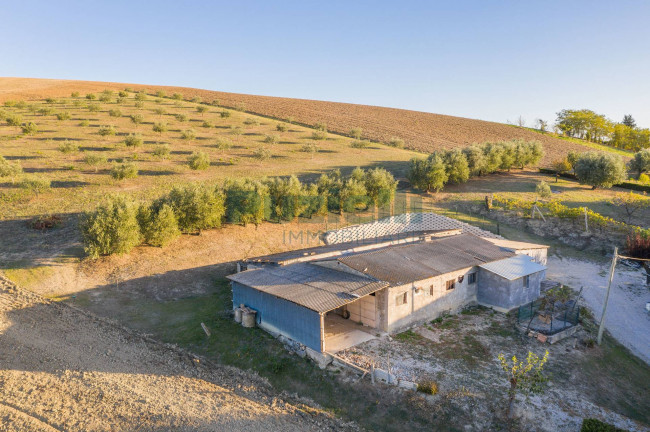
(409, 263)
(317, 288)
(514, 267)
(516, 245)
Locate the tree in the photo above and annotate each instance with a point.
(106, 130)
(65, 115)
(356, 133)
(35, 184)
(542, 125)
(543, 189)
(162, 151)
(271, 139)
(94, 160)
(136, 119)
(641, 161)
(310, 148)
(628, 121)
(133, 140)
(124, 171)
(380, 187)
(396, 142)
(600, 169)
(281, 127)
(572, 158)
(160, 127)
(524, 376)
(199, 161)
(247, 201)
(9, 169)
(428, 174)
(493, 153)
(475, 160)
(521, 122)
(286, 197)
(111, 228)
(181, 117)
(319, 135)
(320, 126)
(160, 111)
(456, 166)
(158, 224)
(201, 109)
(197, 207)
(188, 134)
(262, 154)
(630, 203)
(14, 120)
(29, 128)
(353, 196)
(562, 166)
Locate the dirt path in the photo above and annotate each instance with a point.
(627, 319)
(62, 369)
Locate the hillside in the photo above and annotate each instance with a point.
(422, 131)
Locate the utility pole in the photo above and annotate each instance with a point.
(601, 327)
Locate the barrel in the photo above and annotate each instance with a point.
(248, 318)
(237, 315)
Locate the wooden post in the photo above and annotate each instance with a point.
(601, 327)
(586, 220)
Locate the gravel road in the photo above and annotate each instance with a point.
(63, 369)
(626, 319)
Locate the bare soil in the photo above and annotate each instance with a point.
(63, 369)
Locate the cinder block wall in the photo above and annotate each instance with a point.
(505, 295)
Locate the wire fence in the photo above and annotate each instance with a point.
(549, 320)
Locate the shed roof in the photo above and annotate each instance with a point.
(317, 288)
(514, 267)
(409, 263)
(516, 245)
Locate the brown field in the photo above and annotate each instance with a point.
(422, 131)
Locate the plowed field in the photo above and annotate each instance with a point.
(422, 131)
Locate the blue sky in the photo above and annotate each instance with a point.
(479, 59)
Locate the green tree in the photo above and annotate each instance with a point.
(247, 201)
(124, 171)
(133, 140)
(543, 189)
(160, 127)
(600, 169)
(628, 121)
(9, 169)
(641, 161)
(456, 166)
(188, 134)
(353, 196)
(65, 115)
(199, 161)
(197, 207)
(158, 224)
(356, 133)
(380, 187)
(630, 203)
(106, 130)
(162, 151)
(181, 117)
(14, 120)
(475, 160)
(286, 197)
(572, 158)
(136, 119)
(427, 174)
(29, 128)
(111, 228)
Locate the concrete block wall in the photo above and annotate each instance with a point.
(363, 311)
(505, 295)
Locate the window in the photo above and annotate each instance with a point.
(526, 281)
(401, 299)
(451, 284)
(471, 278)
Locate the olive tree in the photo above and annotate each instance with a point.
(160, 127)
(428, 174)
(197, 207)
(247, 201)
(136, 119)
(199, 161)
(600, 169)
(158, 224)
(641, 161)
(456, 166)
(380, 187)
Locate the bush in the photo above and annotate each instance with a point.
(160, 94)
(199, 161)
(35, 184)
(111, 228)
(160, 111)
(106, 130)
(29, 128)
(162, 151)
(196, 207)
(207, 124)
(124, 171)
(160, 127)
(115, 113)
(271, 139)
(309, 148)
(93, 107)
(223, 144)
(396, 142)
(320, 126)
(281, 127)
(250, 121)
(188, 134)
(141, 96)
(123, 94)
(68, 147)
(594, 425)
(644, 179)
(319, 135)
(359, 144)
(14, 120)
(225, 114)
(84, 123)
(177, 96)
(74, 94)
(94, 160)
(600, 169)
(428, 387)
(181, 117)
(543, 190)
(139, 104)
(133, 140)
(91, 96)
(356, 133)
(246, 201)
(158, 224)
(641, 161)
(262, 154)
(196, 99)
(9, 169)
(47, 101)
(105, 98)
(65, 115)
(136, 118)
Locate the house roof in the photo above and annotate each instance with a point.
(409, 263)
(514, 267)
(515, 245)
(315, 287)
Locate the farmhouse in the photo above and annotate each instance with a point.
(337, 295)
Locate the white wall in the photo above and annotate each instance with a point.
(363, 311)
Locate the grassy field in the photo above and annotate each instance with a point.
(59, 150)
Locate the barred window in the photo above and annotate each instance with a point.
(471, 278)
(401, 299)
(451, 284)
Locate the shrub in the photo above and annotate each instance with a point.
(133, 140)
(123, 94)
(111, 228)
(428, 387)
(65, 115)
(105, 98)
(9, 103)
(594, 425)
(188, 134)
(196, 99)
(224, 114)
(319, 135)
(162, 151)
(35, 184)
(160, 127)
(201, 109)
(246, 201)
(359, 144)
(68, 147)
(21, 104)
(139, 104)
(74, 94)
(124, 171)
(115, 113)
(271, 139)
(356, 133)
(160, 111)
(543, 190)
(140, 96)
(48, 101)
(136, 118)
(396, 142)
(84, 123)
(94, 160)
(223, 144)
(29, 128)
(181, 117)
(93, 107)
(240, 107)
(281, 127)
(215, 102)
(9, 169)
(641, 161)
(644, 179)
(107, 92)
(177, 96)
(160, 94)
(562, 166)
(600, 169)
(236, 130)
(262, 154)
(198, 161)
(196, 207)
(207, 124)
(250, 121)
(320, 126)
(106, 130)
(91, 96)
(14, 120)
(309, 148)
(158, 224)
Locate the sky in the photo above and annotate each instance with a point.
(491, 60)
